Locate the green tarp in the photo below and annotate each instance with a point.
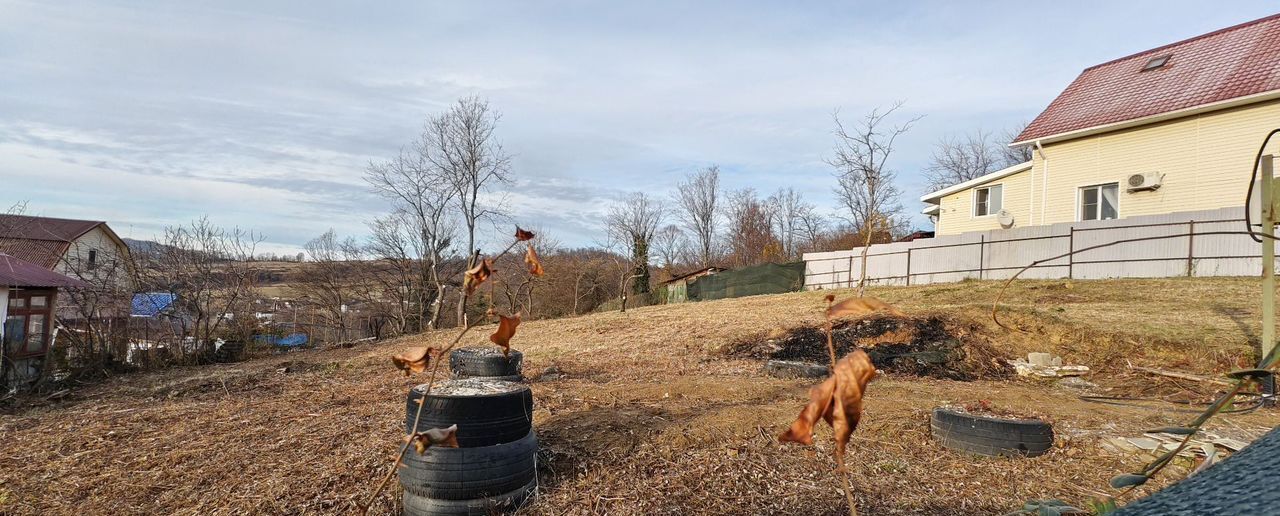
(768, 278)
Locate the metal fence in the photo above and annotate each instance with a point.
(1196, 246)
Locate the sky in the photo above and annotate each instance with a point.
(264, 115)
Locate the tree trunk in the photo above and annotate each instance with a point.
(862, 281)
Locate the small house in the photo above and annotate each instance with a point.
(28, 296)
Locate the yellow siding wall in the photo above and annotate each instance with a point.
(955, 212)
(111, 259)
(1205, 160)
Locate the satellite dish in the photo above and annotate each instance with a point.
(1005, 218)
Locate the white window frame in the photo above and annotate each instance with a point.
(973, 201)
(1080, 197)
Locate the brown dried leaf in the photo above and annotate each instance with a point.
(414, 360)
(522, 235)
(837, 400)
(859, 306)
(531, 258)
(477, 275)
(447, 437)
(506, 330)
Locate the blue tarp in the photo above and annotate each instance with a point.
(291, 340)
(151, 304)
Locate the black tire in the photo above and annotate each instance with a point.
(512, 378)
(415, 505)
(467, 473)
(485, 361)
(993, 437)
(482, 419)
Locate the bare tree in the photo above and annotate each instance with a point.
(812, 225)
(422, 195)
(865, 184)
(1014, 155)
(788, 211)
(750, 238)
(331, 279)
(697, 200)
(209, 271)
(394, 245)
(956, 160)
(631, 223)
(464, 150)
(668, 245)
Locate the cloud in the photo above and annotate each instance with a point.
(265, 116)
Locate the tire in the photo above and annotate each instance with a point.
(993, 437)
(468, 473)
(512, 378)
(483, 419)
(484, 361)
(415, 505)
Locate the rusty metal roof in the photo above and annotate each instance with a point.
(44, 253)
(19, 273)
(1226, 64)
(44, 228)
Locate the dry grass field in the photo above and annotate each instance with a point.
(655, 411)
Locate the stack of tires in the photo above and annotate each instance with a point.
(486, 362)
(493, 469)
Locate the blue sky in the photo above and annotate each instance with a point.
(264, 114)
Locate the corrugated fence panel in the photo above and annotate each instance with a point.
(999, 254)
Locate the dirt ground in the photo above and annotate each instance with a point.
(655, 411)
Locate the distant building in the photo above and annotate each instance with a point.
(678, 287)
(28, 296)
(68, 246)
(1170, 129)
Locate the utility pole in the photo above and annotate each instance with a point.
(1269, 215)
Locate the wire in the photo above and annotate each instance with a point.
(1248, 197)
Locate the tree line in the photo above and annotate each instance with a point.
(445, 192)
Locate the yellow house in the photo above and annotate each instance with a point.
(1171, 129)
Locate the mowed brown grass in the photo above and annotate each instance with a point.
(650, 415)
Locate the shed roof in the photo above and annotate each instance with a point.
(708, 270)
(151, 304)
(15, 272)
(1239, 62)
(1242, 484)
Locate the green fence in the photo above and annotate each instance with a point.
(768, 278)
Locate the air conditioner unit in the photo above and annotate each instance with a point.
(1147, 181)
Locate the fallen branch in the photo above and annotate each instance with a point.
(1181, 375)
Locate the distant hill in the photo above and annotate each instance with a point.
(143, 247)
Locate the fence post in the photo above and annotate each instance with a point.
(1071, 256)
(1191, 246)
(908, 266)
(848, 275)
(982, 252)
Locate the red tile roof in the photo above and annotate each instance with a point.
(1221, 65)
(19, 273)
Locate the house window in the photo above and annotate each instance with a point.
(35, 333)
(1157, 62)
(93, 258)
(1100, 202)
(986, 201)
